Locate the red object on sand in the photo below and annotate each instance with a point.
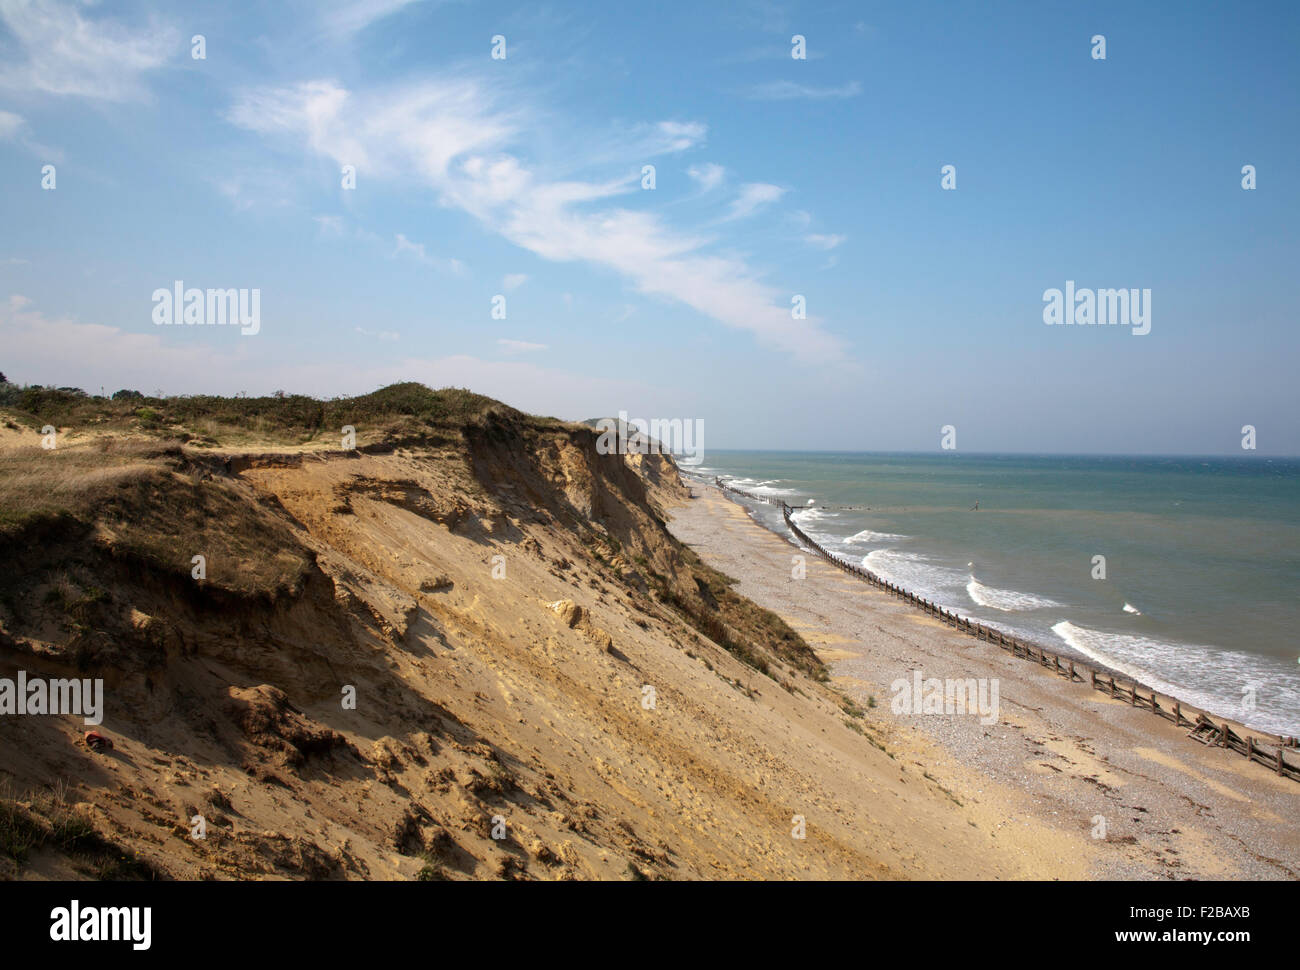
(96, 741)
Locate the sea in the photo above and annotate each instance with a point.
(1180, 572)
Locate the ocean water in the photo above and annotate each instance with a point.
(1202, 556)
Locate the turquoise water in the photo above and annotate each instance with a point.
(1202, 555)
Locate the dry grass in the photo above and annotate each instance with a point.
(399, 412)
(147, 501)
(50, 822)
(37, 484)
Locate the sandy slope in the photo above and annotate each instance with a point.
(519, 698)
(1059, 757)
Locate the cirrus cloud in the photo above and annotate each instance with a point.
(454, 136)
(55, 50)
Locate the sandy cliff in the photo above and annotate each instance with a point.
(547, 684)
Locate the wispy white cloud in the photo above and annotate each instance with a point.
(820, 241)
(410, 132)
(677, 136)
(519, 346)
(709, 176)
(512, 281)
(55, 50)
(15, 128)
(330, 227)
(252, 189)
(753, 197)
(346, 17)
(378, 334)
(793, 90)
(404, 245)
(453, 136)
(418, 252)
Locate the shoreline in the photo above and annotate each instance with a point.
(1277, 752)
(1236, 733)
(1060, 753)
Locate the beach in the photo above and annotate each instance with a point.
(1130, 793)
(1175, 572)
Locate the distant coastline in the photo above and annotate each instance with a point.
(1156, 650)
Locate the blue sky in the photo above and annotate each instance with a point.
(775, 176)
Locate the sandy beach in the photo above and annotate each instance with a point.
(1060, 757)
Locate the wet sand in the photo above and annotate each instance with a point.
(1153, 803)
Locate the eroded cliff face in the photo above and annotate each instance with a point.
(483, 657)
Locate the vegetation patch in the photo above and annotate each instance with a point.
(50, 824)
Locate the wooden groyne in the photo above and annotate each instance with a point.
(768, 499)
(1277, 754)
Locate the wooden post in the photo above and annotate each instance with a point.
(1223, 739)
(1178, 714)
(1094, 679)
(1250, 748)
(1155, 708)
(1112, 687)
(1072, 671)
(1279, 759)
(1133, 695)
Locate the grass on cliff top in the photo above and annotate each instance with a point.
(145, 500)
(397, 412)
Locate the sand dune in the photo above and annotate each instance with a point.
(533, 656)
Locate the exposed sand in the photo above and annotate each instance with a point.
(1059, 756)
(479, 697)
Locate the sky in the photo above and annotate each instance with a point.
(519, 182)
